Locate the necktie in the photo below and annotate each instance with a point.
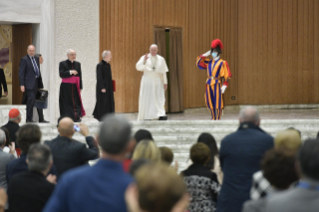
(35, 67)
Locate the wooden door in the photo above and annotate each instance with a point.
(21, 39)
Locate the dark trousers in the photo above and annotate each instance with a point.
(31, 95)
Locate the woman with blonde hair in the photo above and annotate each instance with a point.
(147, 149)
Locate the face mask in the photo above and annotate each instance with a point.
(214, 54)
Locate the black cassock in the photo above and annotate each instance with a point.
(104, 101)
(69, 101)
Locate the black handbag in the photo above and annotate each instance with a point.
(42, 96)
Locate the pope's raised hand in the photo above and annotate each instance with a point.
(145, 57)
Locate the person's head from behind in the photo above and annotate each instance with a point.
(278, 166)
(147, 149)
(288, 139)
(209, 140)
(167, 155)
(66, 127)
(27, 135)
(39, 158)
(8, 141)
(136, 165)
(15, 115)
(308, 160)
(143, 135)
(114, 136)
(200, 153)
(249, 114)
(2, 139)
(159, 188)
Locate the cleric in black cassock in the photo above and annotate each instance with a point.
(70, 90)
(104, 87)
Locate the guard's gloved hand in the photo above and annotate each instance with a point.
(223, 88)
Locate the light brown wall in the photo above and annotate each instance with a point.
(278, 57)
(126, 28)
(272, 46)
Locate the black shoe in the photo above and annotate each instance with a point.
(29, 121)
(163, 118)
(44, 121)
(78, 120)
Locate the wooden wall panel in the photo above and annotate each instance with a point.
(277, 56)
(271, 46)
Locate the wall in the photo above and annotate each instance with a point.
(272, 46)
(77, 27)
(278, 58)
(126, 28)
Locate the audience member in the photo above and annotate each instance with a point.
(202, 184)
(13, 124)
(3, 199)
(128, 158)
(69, 153)
(5, 158)
(29, 191)
(278, 167)
(305, 196)
(213, 163)
(289, 139)
(147, 149)
(240, 156)
(9, 145)
(158, 188)
(102, 186)
(167, 155)
(27, 135)
(142, 135)
(135, 165)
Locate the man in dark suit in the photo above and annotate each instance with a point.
(70, 101)
(29, 191)
(30, 79)
(3, 83)
(240, 156)
(69, 153)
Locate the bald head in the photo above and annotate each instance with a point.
(249, 114)
(31, 50)
(66, 127)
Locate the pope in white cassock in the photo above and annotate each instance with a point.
(153, 85)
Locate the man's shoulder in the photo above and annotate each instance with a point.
(255, 205)
(25, 57)
(6, 156)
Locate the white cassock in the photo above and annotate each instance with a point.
(151, 103)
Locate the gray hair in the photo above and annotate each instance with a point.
(153, 45)
(105, 53)
(39, 157)
(2, 137)
(69, 51)
(16, 118)
(115, 133)
(249, 114)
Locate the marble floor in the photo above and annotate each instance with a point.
(232, 114)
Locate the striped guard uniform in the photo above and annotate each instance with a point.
(216, 70)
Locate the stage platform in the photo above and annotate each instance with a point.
(181, 130)
(181, 133)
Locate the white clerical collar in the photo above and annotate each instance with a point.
(150, 55)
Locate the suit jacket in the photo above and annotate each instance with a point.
(3, 82)
(240, 156)
(20, 165)
(68, 153)
(294, 200)
(66, 66)
(27, 74)
(97, 188)
(29, 192)
(4, 159)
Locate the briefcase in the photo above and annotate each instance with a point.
(42, 96)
